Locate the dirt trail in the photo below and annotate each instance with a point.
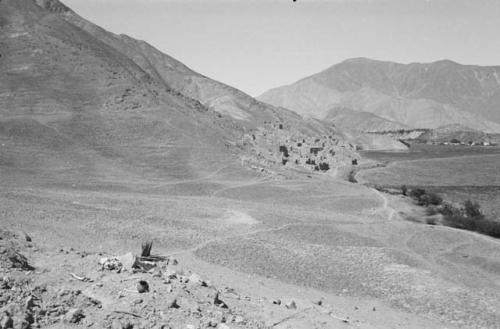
(385, 207)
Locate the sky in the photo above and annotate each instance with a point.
(255, 45)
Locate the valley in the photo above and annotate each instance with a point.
(458, 173)
(108, 145)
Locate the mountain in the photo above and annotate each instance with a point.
(416, 95)
(456, 133)
(361, 121)
(80, 105)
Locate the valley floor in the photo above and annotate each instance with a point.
(302, 239)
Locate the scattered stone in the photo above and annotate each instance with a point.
(189, 305)
(30, 302)
(239, 319)
(116, 324)
(6, 321)
(111, 264)
(219, 302)
(169, 274)
(291, 305)
(74, 315)
(142, 286)
(212, 323)
(21, 323)
(27, 237)
(195, 278)
(173, 303)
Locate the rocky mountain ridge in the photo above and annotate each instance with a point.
(419, 95)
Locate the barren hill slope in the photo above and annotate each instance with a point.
(104, 146)
(361, 121)
(419, 95)
(80, 103)
(71, 103)
(455, 133)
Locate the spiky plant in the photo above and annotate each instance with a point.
(146, 248)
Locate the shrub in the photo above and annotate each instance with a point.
(469, 217)
(417, 193)
(425, 199)
(448, 209)
(431, 211)
(430, 199)
(404, 190)
(352, 177)
(488, 227)
(472, 209)
(146, 248)
(431, 221)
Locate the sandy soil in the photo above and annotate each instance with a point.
(304, 240)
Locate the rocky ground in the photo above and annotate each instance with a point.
(71, 288)
(109, 292)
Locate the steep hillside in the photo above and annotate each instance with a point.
(417, 95)
(80, 105)
(72, 107)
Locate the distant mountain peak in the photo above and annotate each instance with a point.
(420, 95)
(360, 60)
(445, 62)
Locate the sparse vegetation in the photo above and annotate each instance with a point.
(351, 177)
(404, 190)
(467, 216)
(146, 248)
(425, 198)
(470, 217)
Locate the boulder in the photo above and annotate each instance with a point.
(74, 315)
(128, 261)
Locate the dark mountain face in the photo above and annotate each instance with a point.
(444, 92)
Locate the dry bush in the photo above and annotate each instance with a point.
(146, 248)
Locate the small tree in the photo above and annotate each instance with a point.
(404, 190)
(473, 210)
(417, 193)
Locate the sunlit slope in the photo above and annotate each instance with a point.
(426, 95)
(72, 107)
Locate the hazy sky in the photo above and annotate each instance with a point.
(255, 45)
